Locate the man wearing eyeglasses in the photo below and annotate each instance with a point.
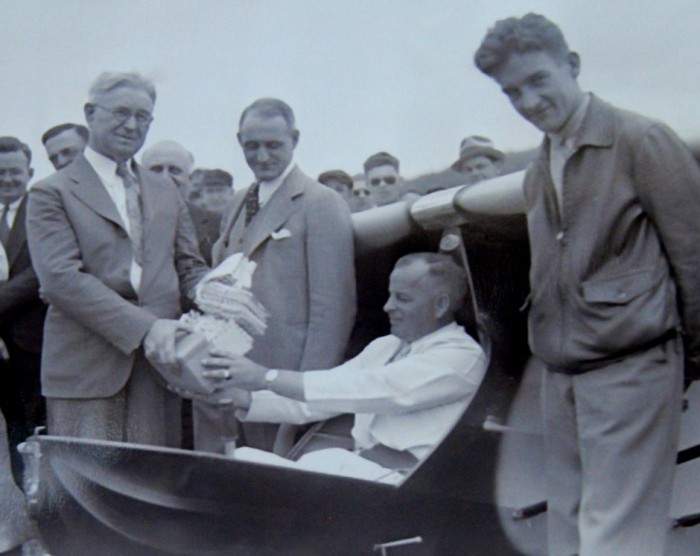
(383, 178)
(112, 248)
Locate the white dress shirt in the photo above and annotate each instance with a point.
(410, 403)
(12, 211)
(4, 265)
(268, 188)
(106, 170)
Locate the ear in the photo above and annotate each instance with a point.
(30, 172)
(574, 60)
(442, 305)
(295, 137)
(238, 136)
(89, 110)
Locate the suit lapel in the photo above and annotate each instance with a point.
(275, 212)
(85, 184)
(18, 233)
(232, 212)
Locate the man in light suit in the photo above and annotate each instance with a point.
(407, 389)
(299, 234)
(21, 311)
(113, 249)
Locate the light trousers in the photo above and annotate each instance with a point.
(611, 444)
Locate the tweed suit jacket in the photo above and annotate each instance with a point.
(82, 255)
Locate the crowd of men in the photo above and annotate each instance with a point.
(101, 257)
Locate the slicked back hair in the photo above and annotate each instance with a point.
(58, 129)
(444, 270)
(269, 108)
(110, 80)
(12, 145)
(381, 159)
(532, 32)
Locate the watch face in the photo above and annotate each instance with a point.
(271, 375)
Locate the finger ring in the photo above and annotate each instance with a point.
(227, 375)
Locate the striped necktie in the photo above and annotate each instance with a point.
(252, 202)
(133, 210)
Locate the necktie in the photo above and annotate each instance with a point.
(5, 225)
(252, 202)
(133, 210)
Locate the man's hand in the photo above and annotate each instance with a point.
(241, 399)
(235, 371)
(4, 353)
(159, 343)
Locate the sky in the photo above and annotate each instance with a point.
(361, 75)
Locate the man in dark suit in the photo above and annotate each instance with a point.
(299, 234)
(113, 249)
(174, 161)
(21, 310)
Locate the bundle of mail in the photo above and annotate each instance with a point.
(229, 317)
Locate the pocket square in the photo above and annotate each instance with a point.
(281, 234)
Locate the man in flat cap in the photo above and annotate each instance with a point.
(338, 181)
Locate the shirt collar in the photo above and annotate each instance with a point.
(574, 123)
(14, 205)
(430, 336)
(105, 167)
(275, 183)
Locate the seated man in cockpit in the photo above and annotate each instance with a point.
(407, 389)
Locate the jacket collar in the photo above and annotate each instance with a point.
(597, 129)
(87, 186)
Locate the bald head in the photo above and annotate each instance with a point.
(170, 159)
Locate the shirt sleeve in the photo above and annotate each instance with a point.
(268, 407)
(444, 373)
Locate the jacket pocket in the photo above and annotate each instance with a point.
(621, 289)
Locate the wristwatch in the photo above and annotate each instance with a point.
(270, 376)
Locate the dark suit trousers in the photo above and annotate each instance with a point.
(142, 412)
(20, 398)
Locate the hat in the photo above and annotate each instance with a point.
(476, 145)
(338, 175)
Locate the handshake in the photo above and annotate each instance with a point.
(229, 317)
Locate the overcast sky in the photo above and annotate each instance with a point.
(361, 75)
